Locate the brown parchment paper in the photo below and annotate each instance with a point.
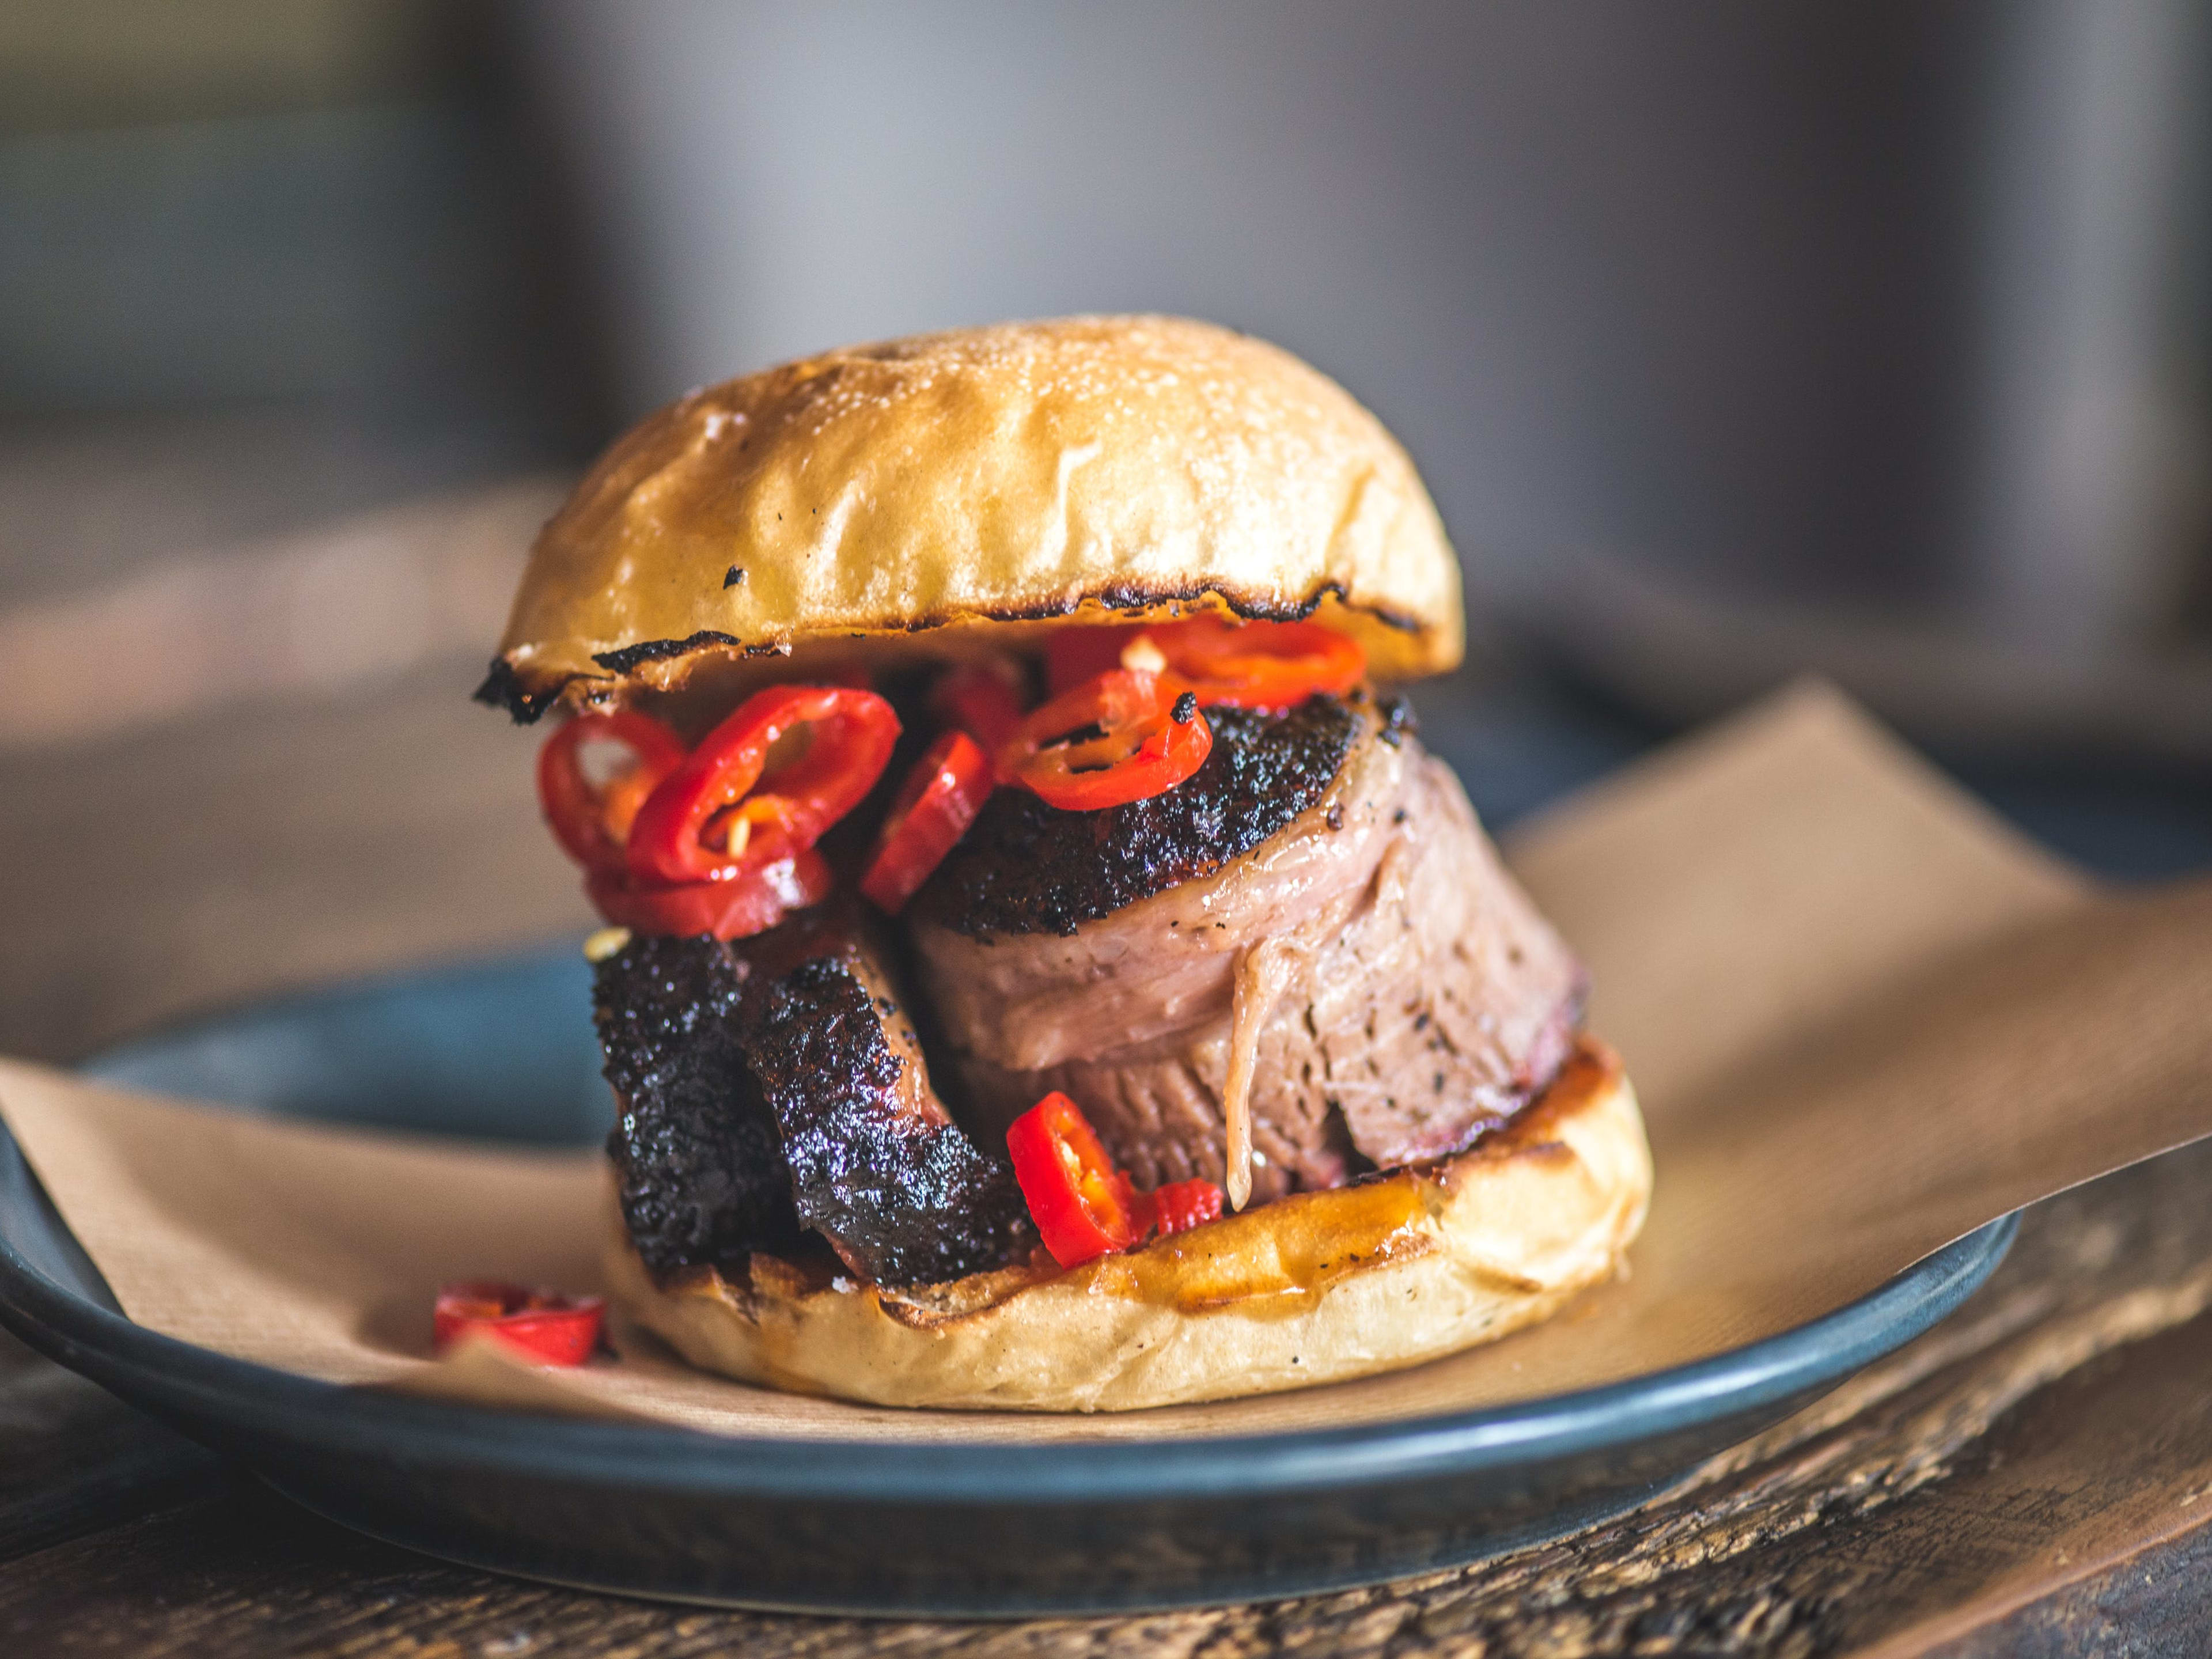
(1865, 1019)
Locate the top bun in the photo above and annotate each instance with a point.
(1092, 468)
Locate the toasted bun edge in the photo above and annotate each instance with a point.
(1105, 469)
(1319, 1287)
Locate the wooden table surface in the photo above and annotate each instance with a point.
(2033, 1476)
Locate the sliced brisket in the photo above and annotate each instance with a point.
(1422, 998)
(1027, 868)
(877, 1166)
(771, 1087)
(698, 1164)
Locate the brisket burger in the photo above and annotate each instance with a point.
(1044, 968)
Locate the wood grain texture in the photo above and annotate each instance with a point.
(74, 1458)
(1988, 1489)
(2145, 1606)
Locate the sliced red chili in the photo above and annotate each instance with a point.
(542, 1325)
(938, 800)
(1119, 737)
(981, 699)
(592, 820)
(1083, 653)
(1259, 665)
(715, 817)
(751, 903)
(1084, 1207)
(1181, 1205)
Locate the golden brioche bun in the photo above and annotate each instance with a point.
(1107, 468)
(1318, 1287)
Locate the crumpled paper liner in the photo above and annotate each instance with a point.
(1864, 1017)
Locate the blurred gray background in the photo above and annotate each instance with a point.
(1867, 335)
(1735, 340)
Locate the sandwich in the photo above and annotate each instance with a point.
(1043, 968)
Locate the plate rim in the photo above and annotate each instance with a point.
(143, 1365)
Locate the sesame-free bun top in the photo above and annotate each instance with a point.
(1087, 468)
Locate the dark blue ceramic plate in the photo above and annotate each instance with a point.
(505, 1051)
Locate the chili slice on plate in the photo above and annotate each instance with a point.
(1084, 1207)
(591, 821)
(715, 817)
(541, 1325)
(1119, 737)
(751, 902)
(938, 800)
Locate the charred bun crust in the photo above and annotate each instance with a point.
(1318, 1287)
(1107, 468)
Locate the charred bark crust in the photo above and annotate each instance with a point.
(699, 1164)
(898, 1190)
(1026, 867)
(763, 1093)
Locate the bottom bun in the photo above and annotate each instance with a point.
(1318, 1287)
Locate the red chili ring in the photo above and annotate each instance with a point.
(545, 1325)
(721, 783)
(938, 800)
